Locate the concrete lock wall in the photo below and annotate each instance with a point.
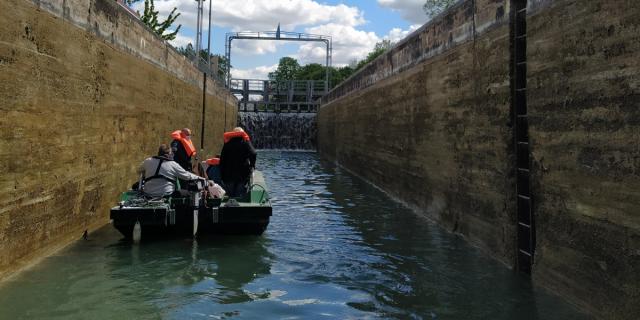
(430, 123)
(86, 93)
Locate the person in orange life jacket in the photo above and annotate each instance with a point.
(237, 161)
(160, 174)
(183, 148)
(213, 170)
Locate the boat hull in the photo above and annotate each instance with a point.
(154, 222)
(192, 215)
(243, 219)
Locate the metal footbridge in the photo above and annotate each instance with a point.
(272, 96)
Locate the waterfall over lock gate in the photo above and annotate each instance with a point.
(290, 131)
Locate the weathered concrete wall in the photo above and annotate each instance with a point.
(86, 93)
(433, 132)
(430, 123)
(584, 106)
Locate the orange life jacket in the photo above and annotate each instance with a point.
(234, 134)
(187, 144)
(213, 161)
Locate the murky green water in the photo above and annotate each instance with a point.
(336, 248)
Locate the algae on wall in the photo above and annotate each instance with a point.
(83, 104)
(431, 121)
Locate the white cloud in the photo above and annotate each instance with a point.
(410, 10)
(260, 15)
(397, 34)
(348, 44)
(261, 72)
(342, 22)
(181, 40)
(253, 47)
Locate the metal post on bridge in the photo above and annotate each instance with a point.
(198, 31)
(208, 70)
(280, 35)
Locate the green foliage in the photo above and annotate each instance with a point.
(222, 64)
(380, 48)
(312, 71)
(288, 69)
(189, 52)
(340, 75)
(434, 7)
(316, 71)
(150, 18)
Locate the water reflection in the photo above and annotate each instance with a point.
(336, 248)
(105, 278)
(407, 266)
(421, 270)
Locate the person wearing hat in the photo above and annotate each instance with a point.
(160, 174)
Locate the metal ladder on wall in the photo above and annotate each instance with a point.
(525, 227)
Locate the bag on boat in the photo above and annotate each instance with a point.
(215, 190)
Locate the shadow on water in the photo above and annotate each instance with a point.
(108, 277)
(407, 266)
(419, 269)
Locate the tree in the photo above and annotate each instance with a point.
(341, 74)
(434, 7)
(222, 66)
(287, 69)
(150, 18)
(380, 48)
(312, 71)
(290, 69)
(189, 52)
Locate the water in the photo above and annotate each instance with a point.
(336, 248)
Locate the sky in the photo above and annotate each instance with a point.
(354, 25)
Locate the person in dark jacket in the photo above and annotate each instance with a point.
(182, 148)
(237, 161)
(213, 169)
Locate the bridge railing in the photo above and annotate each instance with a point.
(278, 96)
(284, 35)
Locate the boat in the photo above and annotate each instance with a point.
(137, 216)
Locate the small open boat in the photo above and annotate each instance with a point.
(137, 216)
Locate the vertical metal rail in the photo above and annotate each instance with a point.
(199, 30)
(525, 219)
(204, 84)
(227, 54)
(327, 85)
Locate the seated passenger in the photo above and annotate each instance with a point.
(237, 161)
(161, 172)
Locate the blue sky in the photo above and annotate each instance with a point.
(355, 26)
